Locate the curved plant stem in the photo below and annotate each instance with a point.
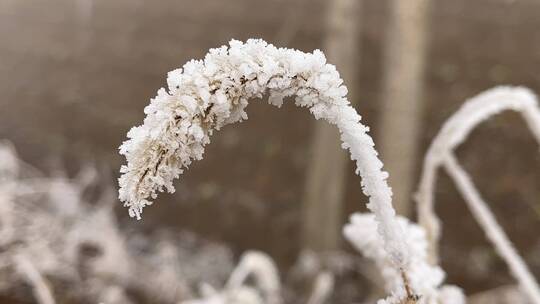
(455, 131)
(493, 230)
(42, 292)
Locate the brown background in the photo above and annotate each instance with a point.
(76, 74)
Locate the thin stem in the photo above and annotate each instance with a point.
(493, 230)
(42, 292)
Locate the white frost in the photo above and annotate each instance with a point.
(206, 95)
(424, 279)
(441, 154)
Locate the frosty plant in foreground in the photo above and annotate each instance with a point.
(206, 95)
(441, 154)
(424, 278)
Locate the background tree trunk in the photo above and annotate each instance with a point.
(325, 182)
(403, 82)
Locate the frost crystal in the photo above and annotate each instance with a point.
(456, 129)
(206, 95)
(423, 278)
(441, 154)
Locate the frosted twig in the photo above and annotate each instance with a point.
(454, 131)
(440, 153)
(494, 232)
(40, 287)
(423, 281)
(208, 94)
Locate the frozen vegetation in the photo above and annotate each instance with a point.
(206, 95)
(61, 240)
(69, 248)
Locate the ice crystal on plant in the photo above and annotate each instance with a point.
(441, 154)
(206, 95)
(422, 277)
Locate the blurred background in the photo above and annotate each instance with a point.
(75, 76)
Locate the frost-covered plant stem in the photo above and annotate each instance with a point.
(440, 153)
(208, 94)
(455, 131)
(41, 289)
(494, 232)
(422, 278)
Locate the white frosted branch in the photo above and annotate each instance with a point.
(206, 95)
(493, 230)
(425, 279)
(40, 287)
(440, 153)
(456, 130)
